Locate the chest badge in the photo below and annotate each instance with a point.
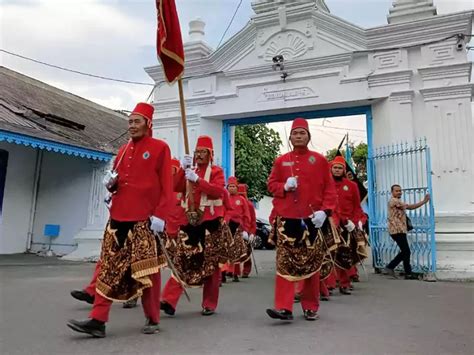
(345, 188)
(312, 159)
(237, 202)
(179, 195)
(146, 155)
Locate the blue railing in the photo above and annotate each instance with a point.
(408, 165)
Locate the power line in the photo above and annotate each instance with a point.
(230, 23)
(75, 71)
(341, 128)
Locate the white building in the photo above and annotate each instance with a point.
(54, 147)
(410, 77)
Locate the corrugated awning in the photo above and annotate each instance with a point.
(50, 146)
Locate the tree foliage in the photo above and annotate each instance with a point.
(359, 156)
(256, 147)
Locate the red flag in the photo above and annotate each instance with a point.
(169, 42)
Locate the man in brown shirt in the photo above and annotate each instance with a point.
(397, 228)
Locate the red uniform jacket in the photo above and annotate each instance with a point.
(349, 202)
(214, 189)
(176, 217)
(239, 212)
(252, 228)
(145, 184)
(315, 192)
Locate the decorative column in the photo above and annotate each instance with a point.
(90, 237)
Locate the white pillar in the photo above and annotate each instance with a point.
(90, 237)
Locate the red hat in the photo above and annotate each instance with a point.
(232, 180)
(175, 163)
(146, 111)
(339, 160)
(205, 142)
(300, 123)
(242, 189)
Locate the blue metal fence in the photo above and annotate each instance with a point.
(408, 165)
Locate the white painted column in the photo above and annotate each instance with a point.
(90, 237)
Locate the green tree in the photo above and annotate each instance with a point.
(359, 156)
(256, 147)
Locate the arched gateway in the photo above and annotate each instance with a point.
(411, 78)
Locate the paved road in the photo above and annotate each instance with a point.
(383, 316)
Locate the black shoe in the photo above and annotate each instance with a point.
(344, 291)
(150, 327)
(411, 277)
(223, 279)
(310, 315)
(167, 308)
(330, 291)
(235, 279)
(355, 279)
(207, 312)
(297, 298)
(351, 288)
(82, 295)
(245, 276)
(281, 314)
(324, 298)
(88, 326)
(130, 303)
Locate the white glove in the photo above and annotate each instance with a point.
(291, 184)
(110, 179)
(157, 225)
(318, 218)
(251, 238)
(187, 161)
(191, 175)
(245, 235)
(350, 226)
(361, 225)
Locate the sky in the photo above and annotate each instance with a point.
(116, 38)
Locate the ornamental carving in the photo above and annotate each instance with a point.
(290, 45)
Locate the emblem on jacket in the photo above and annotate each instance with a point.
(345, 188)
(146, 155)
(312, 159)
(237, 202)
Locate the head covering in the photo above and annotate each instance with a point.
(300, 123)
(242, 189)
(232, 180)
(339, 160)
(205, 142)
(146, 111)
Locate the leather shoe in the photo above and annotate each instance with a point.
(281, 314)
(207, 312)
(82, 295)
(150, 327)
(130, 303)
(344, 291)
(89, 326)
(167, 308)
(310, 315)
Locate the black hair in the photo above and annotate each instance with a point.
(394, 186)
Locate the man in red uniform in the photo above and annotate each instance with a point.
(303, 197)
(204, 238)
(238, 219)
(252, 228)
(349, 211)
(130, 258)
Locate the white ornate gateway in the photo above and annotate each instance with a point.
(413, 74)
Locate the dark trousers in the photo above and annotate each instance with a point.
(404, 255)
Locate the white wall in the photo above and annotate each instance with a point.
(17, 198)
(63, 199)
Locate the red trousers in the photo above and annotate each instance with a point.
(331, 281)
(237, 269)
(90, 289)
(285, 293)
(323, 290)
(344, 280)
(353, 271)
(150, 301)
(210, 293)
(247, 267)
